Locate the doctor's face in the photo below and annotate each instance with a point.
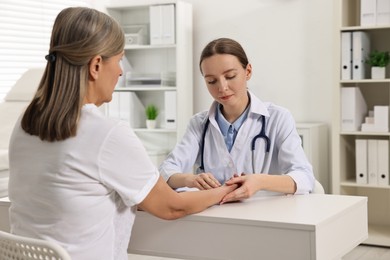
(226, 79)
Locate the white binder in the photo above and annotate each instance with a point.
(381, 118)
(382, 12)
(137, 116)
(346, 55)
(372, 161)
(170, 109)
(361, 160)
(168, 23)
(353, 109)
(383, 162)
(368, 12)
(360, 52)
(162, 24)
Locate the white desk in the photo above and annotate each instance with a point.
(303, 227)
(315, 226)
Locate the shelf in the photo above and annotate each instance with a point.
(161, 70)
(362, 81)
(156, 130)
(366, 133)
(364, 28)
(352, 183)
(157, 88)
(149, 47)
(376, 92)
(378, 235)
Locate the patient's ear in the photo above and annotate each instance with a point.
(94, 67)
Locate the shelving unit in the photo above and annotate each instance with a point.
(148, 58)
(375, 92)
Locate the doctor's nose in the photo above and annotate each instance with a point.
(223, 85)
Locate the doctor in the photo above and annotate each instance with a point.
(241, 139)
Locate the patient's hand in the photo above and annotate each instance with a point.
(202, 181)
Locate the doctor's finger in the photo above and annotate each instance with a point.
(235, 180)
(232, 196)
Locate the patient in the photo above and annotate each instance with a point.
(76, 176)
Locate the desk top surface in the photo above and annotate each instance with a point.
(306, 211)
(299, 210)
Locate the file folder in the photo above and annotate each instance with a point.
(168, 22)
(368, 12)
(372, 161)
(155, 24)
(170, 109)
(346, 55)
(353, 109)
(361, 161)
(137, 116)
(381, 118)
(162, 24)
(383, 12)
(383, 162)
(360, 52)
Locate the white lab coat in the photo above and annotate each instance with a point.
(286, 155)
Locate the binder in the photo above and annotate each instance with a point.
(381, 118)
(346, 55)
(170, 109)
(361, 161)
(353, 109)
(168, 24)
(360, 52)
(372, 161)
(137, 117)
(162, 24)
(383, 162)
(382, 12)
(368, 12)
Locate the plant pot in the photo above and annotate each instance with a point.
(150, 124)
(378, 72)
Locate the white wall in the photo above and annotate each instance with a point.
(288, 42)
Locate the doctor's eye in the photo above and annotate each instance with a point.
(211, 82)
(230, 77)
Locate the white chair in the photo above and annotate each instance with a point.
(14, 247)
(318, 189)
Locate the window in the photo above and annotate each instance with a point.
(25, 29)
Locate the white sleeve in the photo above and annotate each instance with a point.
(125, 166)
(183, 156)
(292, 158)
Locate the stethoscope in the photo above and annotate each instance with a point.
(253, 143)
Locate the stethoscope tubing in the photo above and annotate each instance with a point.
(253, 142)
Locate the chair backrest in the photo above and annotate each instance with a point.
(318, 189)
(14, 247)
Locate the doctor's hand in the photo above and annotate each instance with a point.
(247, 186)
(202, 181)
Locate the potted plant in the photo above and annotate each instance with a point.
(151, 115)
(378, 60)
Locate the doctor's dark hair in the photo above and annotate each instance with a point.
(79, 34)
(224, 46)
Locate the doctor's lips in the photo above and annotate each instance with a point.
(225, 97)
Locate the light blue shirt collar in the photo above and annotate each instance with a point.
(224, 126)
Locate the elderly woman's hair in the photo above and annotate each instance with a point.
(78, 35)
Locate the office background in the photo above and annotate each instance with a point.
(288, 42)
